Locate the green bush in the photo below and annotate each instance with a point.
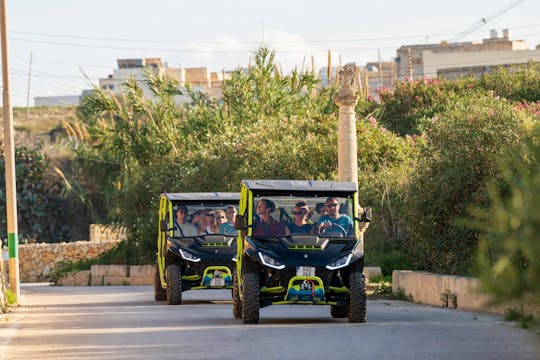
(464, 144)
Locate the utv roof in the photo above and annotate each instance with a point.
(301, 185)
(203, 196)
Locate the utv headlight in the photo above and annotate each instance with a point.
(189, 256)
(339, 263)
(271, 262)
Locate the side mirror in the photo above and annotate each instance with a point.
(366, 215)
(240, 222)
(163, 226)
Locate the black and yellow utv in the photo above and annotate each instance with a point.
(189, 255)
(321, 264)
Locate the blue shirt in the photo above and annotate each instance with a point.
(343, 220)
(227, 229)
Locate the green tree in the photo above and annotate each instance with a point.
(509, 253)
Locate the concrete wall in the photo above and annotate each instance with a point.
(434, 61)
(446, 291)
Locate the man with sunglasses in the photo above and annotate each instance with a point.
(333, 221)
(181, 227)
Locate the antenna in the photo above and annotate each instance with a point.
(485, 20)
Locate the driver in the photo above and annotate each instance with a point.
(182, 227)
(333, 218)
(266, 225)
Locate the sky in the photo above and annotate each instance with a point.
(73, 43)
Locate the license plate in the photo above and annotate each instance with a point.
(305, 271)
(217, 282)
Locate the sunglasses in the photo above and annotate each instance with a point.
(182, 211)
(298, 212)
(220, 217)
(332, 205)
(209, 215)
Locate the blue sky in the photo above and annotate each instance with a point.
(76, 42)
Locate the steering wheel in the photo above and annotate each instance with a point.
(334, 229)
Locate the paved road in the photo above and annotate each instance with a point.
(123, 322)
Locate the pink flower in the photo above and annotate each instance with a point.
(372, 121)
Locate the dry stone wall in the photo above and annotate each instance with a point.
(37, 260)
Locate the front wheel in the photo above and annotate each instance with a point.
(251, 296)
(174, 285)
(159, 293)
(357, 298)
(237, 302)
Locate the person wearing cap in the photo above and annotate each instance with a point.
(266, 225)
(181, 227)
(300, 223)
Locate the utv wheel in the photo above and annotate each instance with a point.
(159, 293)
(339, 311)
(251, 296)
(357, 296)
(237, 303)
(174, 285)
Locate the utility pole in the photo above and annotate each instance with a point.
(409, 63)
(329, 68)
(28, 92)
(9, 155)
(380, 70)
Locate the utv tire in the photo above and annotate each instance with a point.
(251, 296)
(357, 298)
(159, 293)
(174, 285)
(237, 303)
(339, 311)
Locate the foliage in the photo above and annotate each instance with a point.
(11, 297)
(508, 259)
(519, 83)
(464, 144)
(405, 108)
(42, 207)
(270, 125)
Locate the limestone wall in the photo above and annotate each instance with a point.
(458, 292)
(37, 260)
(110, 275)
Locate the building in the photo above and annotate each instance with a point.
(452, 60)
(199, 78)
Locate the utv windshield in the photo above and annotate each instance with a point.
(204, 218)
(291, 215)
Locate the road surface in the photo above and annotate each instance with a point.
(123, 322)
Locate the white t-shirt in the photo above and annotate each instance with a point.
(188, 229)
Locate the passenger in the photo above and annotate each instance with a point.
(266, 225)
(210, 222)
(183, 228)
(326, 222)
(300, 223)
(220, 219)
(197, 220)
(227, 228)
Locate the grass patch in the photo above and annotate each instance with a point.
(388, 261)
(11, 297)
(524, 320)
